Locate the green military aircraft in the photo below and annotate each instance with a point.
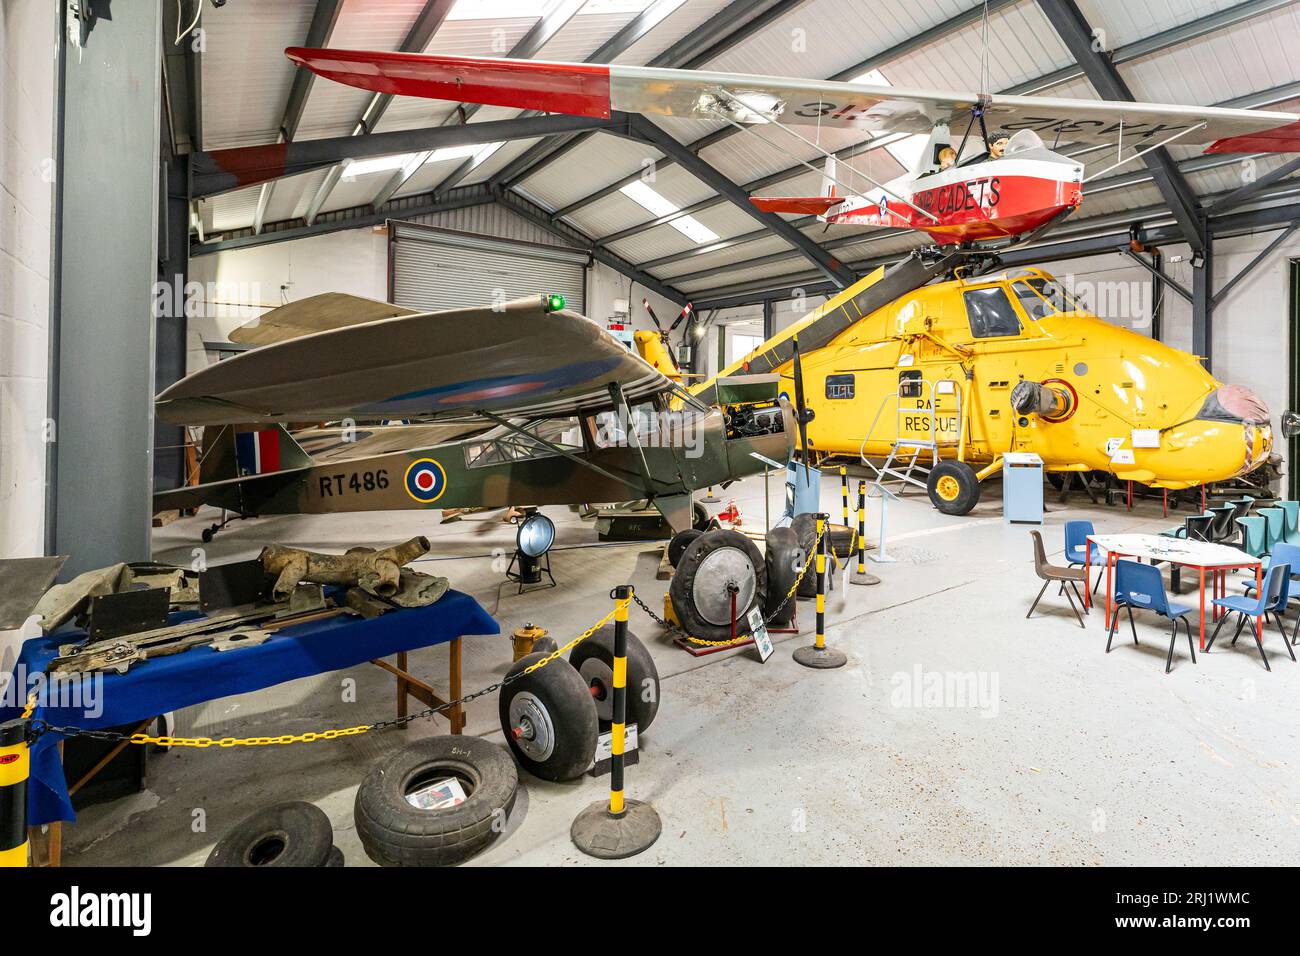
(518, 404)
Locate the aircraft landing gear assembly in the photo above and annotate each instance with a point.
(954, 488)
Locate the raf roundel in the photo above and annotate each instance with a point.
(425, 480)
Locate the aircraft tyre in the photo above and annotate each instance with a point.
(953, 487)
(395, 832)
(549, 719)
(700, 517)
(714, 564)
(285, 834)
(784, 559)
(594, 660)
(679, 543)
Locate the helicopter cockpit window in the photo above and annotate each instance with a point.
(991, 313)
(1035, 306)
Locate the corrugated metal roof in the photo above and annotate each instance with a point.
(1255, 55)
(1123, 21)
(1022, 46)
(246, 76)
(246, 83)
(738, 276)
(726, 257)
(598, 161)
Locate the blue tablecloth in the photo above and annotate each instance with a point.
(201, 674)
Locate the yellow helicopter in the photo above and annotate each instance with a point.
(940, 381)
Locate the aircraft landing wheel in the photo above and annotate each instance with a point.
(713, 566)
(953, 487)
(549, 719)
(594, 660)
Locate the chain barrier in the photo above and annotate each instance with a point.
(40, 727)
(700, 642)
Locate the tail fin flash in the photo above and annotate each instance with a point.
(231, 451)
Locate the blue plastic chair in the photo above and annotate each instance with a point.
(1282, 554)
(1277, 590)
(1141, 586)
(1076, 538)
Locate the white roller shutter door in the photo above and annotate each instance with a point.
(432, 269)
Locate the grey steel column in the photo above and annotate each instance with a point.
(108, 233)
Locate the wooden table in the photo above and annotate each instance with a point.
(1217, 559)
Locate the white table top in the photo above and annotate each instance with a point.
(1159, 547)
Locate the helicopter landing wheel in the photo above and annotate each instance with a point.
(953, 487)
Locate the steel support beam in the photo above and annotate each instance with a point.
(542, 32)
(1203, 304)
(1077, 35)
(615, 46)
(1264, 253)
(937, 32)
(732, 25)
(539, 217)
(1244, 194)
(835, 270)
(226, 169)
(417, 38)
(1131, 51)
(364, 216)
(1178, 287)
(106, 237)
(318, 35)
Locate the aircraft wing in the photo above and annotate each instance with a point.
(588, 89)
(520, 360)
(317, 313)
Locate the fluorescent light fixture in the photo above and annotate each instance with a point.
(647, 198)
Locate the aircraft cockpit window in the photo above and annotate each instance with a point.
(532, 440)
(991, 313)
(1035, 306)
(1053, 293)
(1022, 140)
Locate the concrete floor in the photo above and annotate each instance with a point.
(1060, 754)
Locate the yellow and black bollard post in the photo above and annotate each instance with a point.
(819, 655)
(844, 497)
(15, 763)
(617, 828)
(860, 574)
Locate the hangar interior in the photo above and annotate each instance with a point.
(144, 240)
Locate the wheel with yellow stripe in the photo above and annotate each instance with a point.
(953, 487)
(594, 660)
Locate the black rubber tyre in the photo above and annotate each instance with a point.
(335, 859)
(594, 660)
(395, 833)
(783, 560)
(559, 742)
(953, 487)
(680, 542)
(701, 519)
(698, 563)
(545, 645)
(804, 527)
(286, 834)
